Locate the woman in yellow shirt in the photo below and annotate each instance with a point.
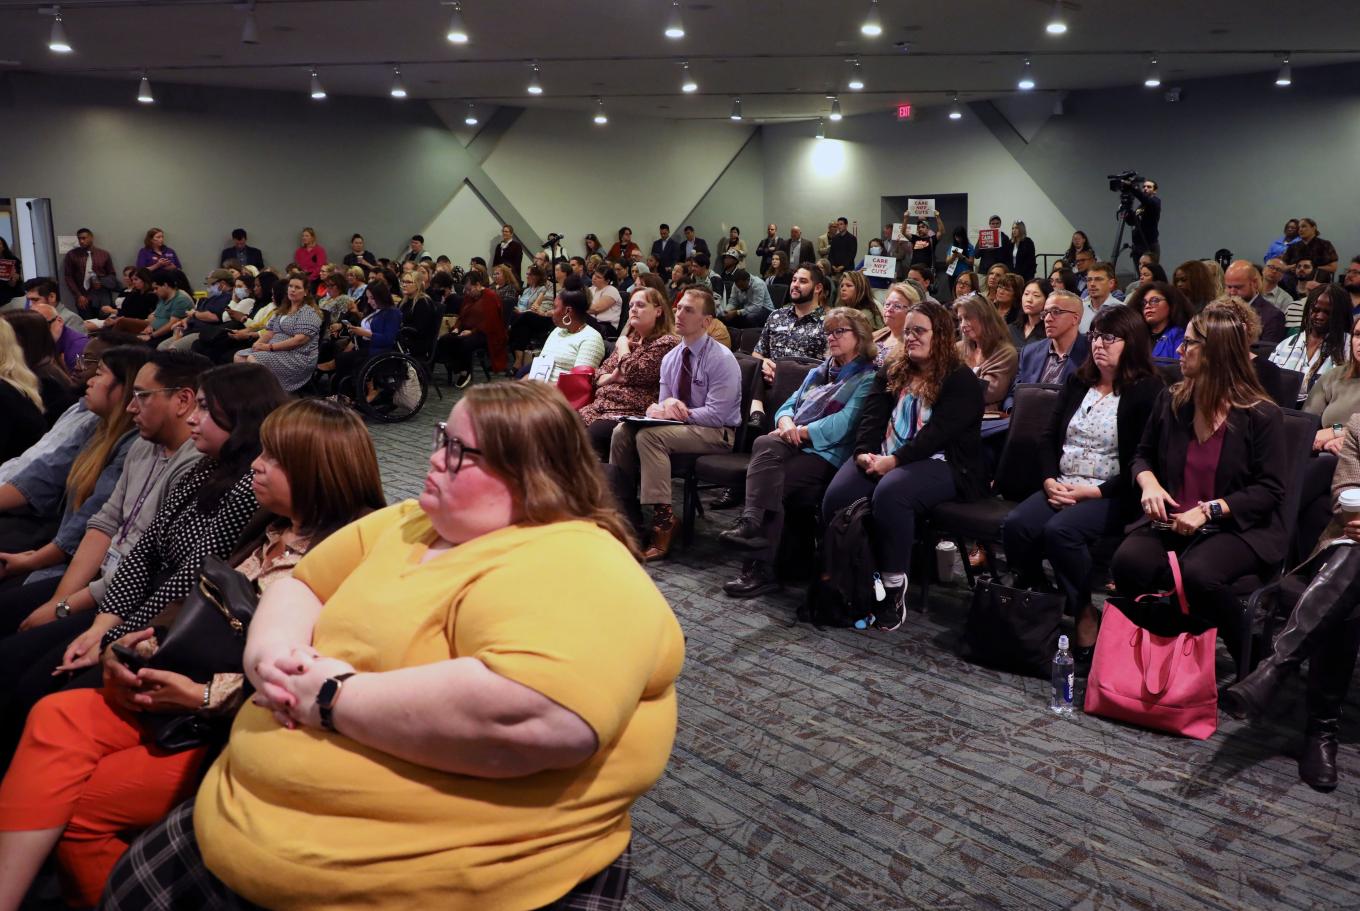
(458, 700)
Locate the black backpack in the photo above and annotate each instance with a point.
(842, 592)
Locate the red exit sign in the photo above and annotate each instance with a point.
(904, 112)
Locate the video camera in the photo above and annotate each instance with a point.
(1123, 181)
(553, 240)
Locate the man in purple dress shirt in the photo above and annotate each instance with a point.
(43, 297)
(701, 393)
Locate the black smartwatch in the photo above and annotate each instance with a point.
(326, 697)
(62, 610)
(1215, 511)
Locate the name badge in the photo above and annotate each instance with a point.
(110, 564)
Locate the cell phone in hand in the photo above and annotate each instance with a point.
(129, 658)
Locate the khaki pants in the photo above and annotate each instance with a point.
(647, 452)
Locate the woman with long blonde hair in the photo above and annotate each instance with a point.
(20, 398)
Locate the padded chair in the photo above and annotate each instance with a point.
(1169, 368)
(1287, 395)
(728, 469)
(1017, 477)
(683, 463)
(745, 340)
(778, 295)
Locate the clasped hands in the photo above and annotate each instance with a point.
(875, 465)
(287, 681)
(790, 432)
(1061, 495)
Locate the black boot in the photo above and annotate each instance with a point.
(1329, 598)
(745, 534)
(1329, 677)
(757, 578)
(730, 497)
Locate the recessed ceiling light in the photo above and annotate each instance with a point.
(471, 118)
(398, 87)
(736, 109)
(1057, 25)
(457, 33)
(600, 116)
(535, 87)
(835, 109)
(1286, 75)
(856, 82)
(318, 91)
(144, 91)
(57, 42)
(873, 25)
(687, 83)
(1026, 78)
(956, 112)
(675, 29)
(1153, 79)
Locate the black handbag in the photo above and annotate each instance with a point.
(1013, 629)
(206, 638)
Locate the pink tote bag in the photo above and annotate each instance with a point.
(1166, 683)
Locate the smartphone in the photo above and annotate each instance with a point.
(130, 659)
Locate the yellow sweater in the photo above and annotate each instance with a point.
(310, 819)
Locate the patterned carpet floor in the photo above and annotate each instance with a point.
(848, 770)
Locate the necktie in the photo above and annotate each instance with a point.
(686, 377)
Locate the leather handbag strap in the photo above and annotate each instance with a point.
(1178, 586)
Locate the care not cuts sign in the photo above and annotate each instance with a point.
(880, 267)
(920, 208)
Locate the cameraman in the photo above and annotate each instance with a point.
(1145, 219)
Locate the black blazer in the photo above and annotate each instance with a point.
(990, 257)
(1251, 468)
(512, 257)
(1135, 406)
(1024, 262)
(954, 427)
(667, 252)
(804, 252)
(766, 250)
(250, 256)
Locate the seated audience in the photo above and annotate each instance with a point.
(153, 466)
(630, 378)
(992, 279)
(1313, 247)
(1272, 289)
(173, 305)
(20, 397)
(87, 486)
(479, 328)
(794, 330)
(606, 305)
(83, 776)
(1243, 280)
(42, 296)
(985, 348)
(574, 343)
(966, 283)
(1193, 279)
(1100, 291)
(1322, 628)
(1213, 454)
(780, 273)
(1063, 279)
(1271, 377)
(499, 739)
(1085, 454)
(901, 297)
(1166, 312)
(373, 335)
(533, 317)
(289, 344)
(1028, 325)
(207, 315)
(1006, 297)
(419, 317)
(1324, 341)
(923, 402)
(701, 389)
(32, 332)
(506, 286)
(137, 302)
(854, 292)
(1336, 395)
(814, 432)
(1066, 347)
(748, 303)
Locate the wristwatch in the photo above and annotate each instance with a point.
(1215, 510)
(1338, 428)
(327, 696)
(63, 610)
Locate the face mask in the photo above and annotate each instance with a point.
(875, 250)
(240, 294)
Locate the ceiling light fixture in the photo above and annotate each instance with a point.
(835, 109)
(318, 91)
(471, 118)
(250, 31)
(873, 25)
(687, 83)
(675, 29)
(600, 116)
(736, 109)
(821, 128)
(57, 42)
(856, 76)
(1057, 25)
(144, 91)
(1286, 75)
(457, 33)
(535, 87)
(398, 87)
(1153, 79)
(956, 112)
(1026, 78)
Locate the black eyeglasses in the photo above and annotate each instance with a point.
(1108, 338)
(454, 450)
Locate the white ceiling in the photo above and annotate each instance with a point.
(781, 56)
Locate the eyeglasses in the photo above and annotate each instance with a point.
(1189, 342)
(915, 332)
(894, 307)
(1055, 312)
(838, 331)
(88, 361)
(142, 395)
(454, 450)
(1151, 301)
(1108, 338)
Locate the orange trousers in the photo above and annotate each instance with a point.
(89, 767)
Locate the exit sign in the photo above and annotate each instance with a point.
(904, 112)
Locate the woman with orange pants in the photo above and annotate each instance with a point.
(87, 776)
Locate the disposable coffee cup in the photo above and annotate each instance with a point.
(946, 558)
(1349, 501)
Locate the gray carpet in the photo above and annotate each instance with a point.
(841, 769)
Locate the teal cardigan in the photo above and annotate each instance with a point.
(831, 437)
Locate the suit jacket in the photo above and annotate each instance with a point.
(1033, 356)
(1024, 262)
(1250, 475)
(700, 246)
(512, 257)
(250, 256)
(766, 250)
(1135, 406)
(802, 253)
(954, 428)
(667, 252)
(73, 270)
(1272, 320)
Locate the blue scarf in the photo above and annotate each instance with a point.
(827, 390)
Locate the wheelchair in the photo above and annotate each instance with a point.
(392, 387)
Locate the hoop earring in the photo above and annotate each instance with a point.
(566, 320)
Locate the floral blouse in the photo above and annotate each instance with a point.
(637, 381)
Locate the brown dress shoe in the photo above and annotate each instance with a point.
(662, 535)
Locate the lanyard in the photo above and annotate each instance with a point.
(147, 486)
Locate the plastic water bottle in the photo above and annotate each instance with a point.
(1064, 674)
